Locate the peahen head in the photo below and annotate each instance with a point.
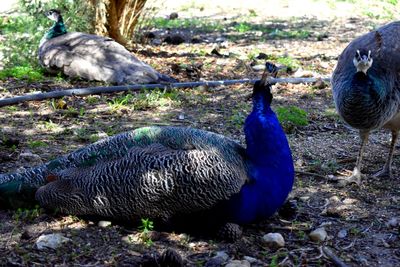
(362, 60)
(54, 15)
(57, 29)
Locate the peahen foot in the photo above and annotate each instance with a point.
(355, 178)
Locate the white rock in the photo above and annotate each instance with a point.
(342, 233)
(393, 222)
(104, 224)
(53, 241)
(318, 235)
(181, 116)
(238, 263)
(274, 240)
(223, 255)
(250, 259)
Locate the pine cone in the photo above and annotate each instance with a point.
(171, 258)
(230, 232)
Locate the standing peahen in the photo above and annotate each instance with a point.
(366, 88)
(163, 172)
(92, 57)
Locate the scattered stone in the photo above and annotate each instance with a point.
(393, 222)
(173, 15)
(156, 41)
(320, 84)
(262, 56)
(171, 258)
(28, 159)
(174, 39)
(258, 67)
(238, 263)
(218, 259)
(342, 233)
(318, 235)
(274, 240)
(251, 260)
(104, 224)
(52, 241)
(220, 40)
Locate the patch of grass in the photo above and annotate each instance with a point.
(26, 72)
(243, 27)
(145, 228)
(36, 143)
(331, 113)
(291, 117)
(26, 214)
(289, 62)
(155, 98)
(119, 102)
(290, 34)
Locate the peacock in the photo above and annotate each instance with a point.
(366, 89)
(167, 172)
(92, 57)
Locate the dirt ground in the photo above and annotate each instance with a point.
(360, 220)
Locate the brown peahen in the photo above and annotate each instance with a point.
(166, 172)
(92, 57)
(366, 88)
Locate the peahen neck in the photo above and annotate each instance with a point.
(57, 29)
(270, 164)
(363, 97)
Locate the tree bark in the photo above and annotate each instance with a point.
(117, 18)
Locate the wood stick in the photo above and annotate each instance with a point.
(136, 87)
(336, 260)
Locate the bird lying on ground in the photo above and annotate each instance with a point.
(163, 172)
(92, 57)
(366, 88)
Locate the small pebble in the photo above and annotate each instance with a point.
(274, 240)
(238, 263)
(318, 235)
(104, 224)
(393, 222)
(218, 259)
(342, 233)
(181, 116)
(251, 260)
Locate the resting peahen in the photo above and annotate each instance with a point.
(366, 88)
(92, 57)
(162, 172)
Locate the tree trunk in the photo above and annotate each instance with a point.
(117, 18)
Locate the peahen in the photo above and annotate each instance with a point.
(366, 88)
(92, 57)
(166, 172)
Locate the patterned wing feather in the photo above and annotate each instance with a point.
(165, 172)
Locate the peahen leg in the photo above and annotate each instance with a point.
(387, 168)
(356, 175)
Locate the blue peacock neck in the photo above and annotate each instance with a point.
(56, 30)
(270, 164)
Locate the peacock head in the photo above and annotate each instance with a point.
(263, 86)
(362, 60)
(53, 14)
